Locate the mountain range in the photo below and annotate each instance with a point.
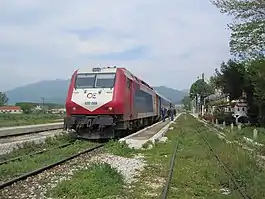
(54, 91)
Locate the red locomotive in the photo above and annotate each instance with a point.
(109, 102)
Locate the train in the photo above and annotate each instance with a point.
(109, 102)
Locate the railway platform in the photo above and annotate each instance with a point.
(19, 130)
(152, 133)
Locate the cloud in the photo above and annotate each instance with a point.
(164, 42)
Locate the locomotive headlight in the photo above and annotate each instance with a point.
(110, 108)
(74, 108)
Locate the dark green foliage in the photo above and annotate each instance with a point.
(3, 99)
(247, 29)
(237, 77)
(186, 102)
(221, 116)
(201, 88)
(231, 79)
(46, 105)
(26, 107)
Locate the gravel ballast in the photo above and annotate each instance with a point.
(37, 186)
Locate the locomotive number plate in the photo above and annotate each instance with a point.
(91, 103)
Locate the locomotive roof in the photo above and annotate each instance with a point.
(132, 77)
(102, 70)
(114, 70)
(163, 97)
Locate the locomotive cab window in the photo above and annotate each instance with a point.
(85, 81)
(128, 81)
(105, 80)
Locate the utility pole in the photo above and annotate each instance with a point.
(42, 104)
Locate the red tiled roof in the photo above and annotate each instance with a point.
(11, 108)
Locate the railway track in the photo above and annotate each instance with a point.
(227, 170)
(8, 144)
(47, 167)
(25, 137)
(6, 184)
(171, 168)
(5, 161)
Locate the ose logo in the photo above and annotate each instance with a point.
(91, 95)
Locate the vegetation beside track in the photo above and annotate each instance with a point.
(98, 181)
(31, 147)
(120, 149)
(247, 132)
(197, 173)
(9, 120)
(30, 163)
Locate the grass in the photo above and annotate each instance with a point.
(29, 163)
(239, 134)
(98, 181)
(197, 173)
(120, 149)
(7, 120)
(244, 166)
(248, 132)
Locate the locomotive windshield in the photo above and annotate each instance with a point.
(101, 80)
(106, 80)
(85, 81)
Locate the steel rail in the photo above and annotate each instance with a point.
(28, 133)
(227, 170)
(34, 153)
(37, 171)
(169, 177)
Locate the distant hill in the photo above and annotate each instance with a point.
(54, 91)
(185, 90)
(175, 95)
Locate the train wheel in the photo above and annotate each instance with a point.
(65, 126)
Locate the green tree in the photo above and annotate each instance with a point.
(256, 76)
(231, 78)
(247, 29)
(3, 99)
(247, 76)
(201, 88)
(26, 107)
(186, 103)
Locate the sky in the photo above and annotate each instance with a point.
(166, 43)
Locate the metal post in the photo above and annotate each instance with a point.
(42, 104)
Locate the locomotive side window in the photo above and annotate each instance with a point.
(143, 101)
(85, 81)
(128, 82)
(106, 80)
